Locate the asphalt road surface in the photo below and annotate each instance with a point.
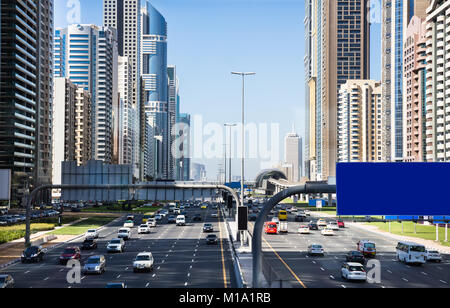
(182, 259)
(287, 256)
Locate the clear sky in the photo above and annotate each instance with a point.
(210, 38)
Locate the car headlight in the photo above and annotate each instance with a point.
(97, 268)
(34, 256)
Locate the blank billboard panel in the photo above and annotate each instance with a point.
(412, 189)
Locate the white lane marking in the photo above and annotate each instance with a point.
(332, 277)
(83, 277)
(163, 261)
(185, 284)
(189, 274)
(47, 278)
(445, 282)
(390, 272)
(27, 272)
(192, 260)
(118, 276)
(314, 262)
(190, 267)
(404, 279)
(423, 273)
(322, 269)
(343, 286)
(153, 275)
(59, 270)
(148, 283)
(159, 267)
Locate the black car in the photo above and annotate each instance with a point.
(299, 218)
(89, 244)
(253, 217)
(33, 254)
(172, 219)
(208, 228)
(197, 217)
(211, 239)
(355, 256)
(313, 225)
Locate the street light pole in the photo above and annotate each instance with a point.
(243, 75)
(229, 175)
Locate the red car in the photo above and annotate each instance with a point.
(271, 228)
(341, 223)
(70, 253)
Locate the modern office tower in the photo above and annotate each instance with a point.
(293, 155)
(64, 101)
(173, 96)
(87, 54)
(124, 15)
(83, 126)
(182, 147)
(126, 125)
(154, 75)
(360, 122)
(26, 92)
(414, 98)
(149, 159)
(71, 125)
(438, 81)
(338, 38)
(198, 172)
(396, 17)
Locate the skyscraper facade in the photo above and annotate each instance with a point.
(182, 147)
(26, 91)
(293, 156)
(173, 103)
(338, 38)
(414, 98)
(438, 81)
(360, 122)
(396, 17)
(154, 75)
(87, 54)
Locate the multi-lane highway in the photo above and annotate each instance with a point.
(287, 255)
(182, 259)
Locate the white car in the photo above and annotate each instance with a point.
(124, 233)
(158, 217)
(151, 222)
(128, 224)
(315, 249)
(214, 215)
(303, 230)
(144, 229)
(353, 271)
(327, 232)
(143, 262)
(333, 226)
(91, 234)
(307, 212)
(181, 220)
(433, 255)
(116, 245)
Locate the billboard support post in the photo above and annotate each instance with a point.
(446, 229)
(389, 226)
(437, 232)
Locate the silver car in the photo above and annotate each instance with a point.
(116, 245)
(95, 265)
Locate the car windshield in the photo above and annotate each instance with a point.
(88, 241)
(417, 248)
(369, 245)
(143, 258)
(433, 251)
(93, 260)
(91, 231)
(208, 225)
(212, 236)
(123, 231)
(316, 246)
(356, 253)
(115, 242)
(128, 222)
(356, 269)
(143, 226)
(69, 251)
(31, 250)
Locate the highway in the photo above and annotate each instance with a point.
(182, 259)
(287, 255)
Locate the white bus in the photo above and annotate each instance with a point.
(409, 252)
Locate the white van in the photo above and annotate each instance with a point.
(181, 220)
(409, 252)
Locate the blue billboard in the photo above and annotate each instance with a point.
(409, 189)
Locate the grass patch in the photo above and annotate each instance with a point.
(422, 231)
(11, 233)
(82, 226)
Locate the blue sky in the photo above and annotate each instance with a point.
(210, 38)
